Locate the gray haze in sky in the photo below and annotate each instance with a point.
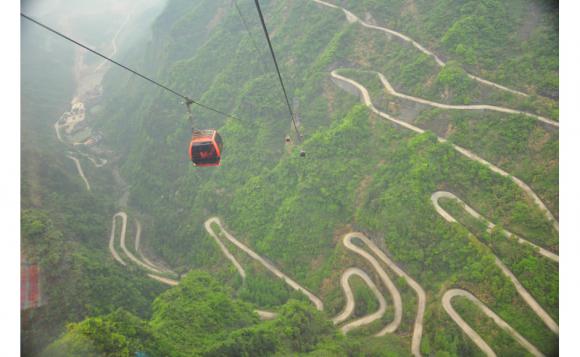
(54, 70)
(93, 22)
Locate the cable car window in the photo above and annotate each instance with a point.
(198, 147)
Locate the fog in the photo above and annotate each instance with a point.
(55, 73)
(112, 27)
(94, 23)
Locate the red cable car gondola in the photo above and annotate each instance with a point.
(205, 148)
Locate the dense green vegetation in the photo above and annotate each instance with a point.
(64, 227)
(360, 173)
(119, 333)
(198, 318)
(77, 281)
(537, 273)
(533, 150)
(263, 290)
(366, 302)
(518, 144)
(413, 72)
(285, 210)
(488, 330)
(513, 43)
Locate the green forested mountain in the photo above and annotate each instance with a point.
(199, 318)
(362, 173)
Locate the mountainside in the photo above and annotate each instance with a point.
(424, 122)
(63, 226)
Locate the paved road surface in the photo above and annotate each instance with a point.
(446, 301)
(526, 296)
(143, 257)
(392, 91)
(350, 302)
(315, 300)
(130, 255)
(421, 296)
(80, 170)
(114, 40)
(397, 302)
(225, 250)
(490, 226)
(342, 80)
(353, 18)
(112, 239)
(164, 280)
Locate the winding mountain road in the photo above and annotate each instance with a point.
(57, 130)
(74, 117)
(364, 94)
(421, 296)
(293, 284)
(446, 301)
(112, 239)
(397, 301)
(101, 163)
(164, 280)
(392, 91)
(128, 253)
(145, 265)
(143, 257)
(350, 303)
(349, 296)
(344, 281)
(444, 194)
(224, 249)
(114, 40)
(526, 296)
(372, 259)
(351, 18)
(80, 171)
(541, 313)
